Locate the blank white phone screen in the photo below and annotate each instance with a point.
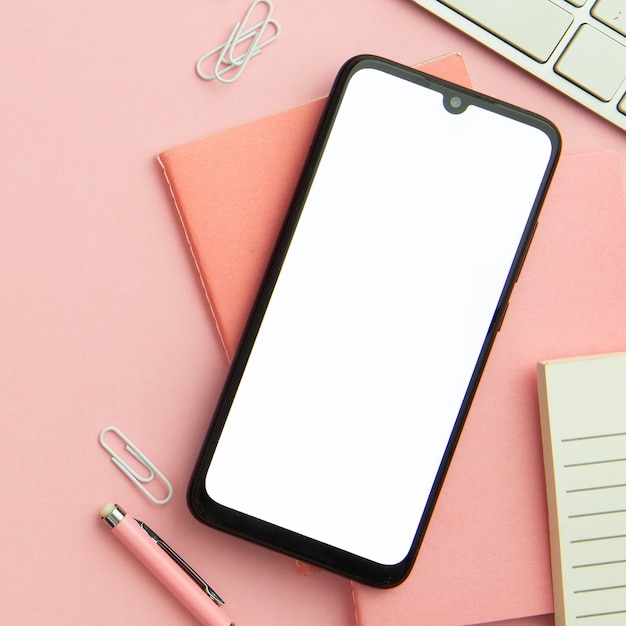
(378, 317)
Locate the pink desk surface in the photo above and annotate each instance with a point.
(102, 320)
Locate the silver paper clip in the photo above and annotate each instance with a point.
(135, 477)
(228, 60)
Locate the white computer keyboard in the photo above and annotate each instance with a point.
(577, 46)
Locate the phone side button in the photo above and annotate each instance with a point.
(500, 318)
(520, 265)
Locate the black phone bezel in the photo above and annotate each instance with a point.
(298, 546)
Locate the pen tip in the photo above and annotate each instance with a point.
(106, 510)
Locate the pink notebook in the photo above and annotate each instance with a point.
(485, 556)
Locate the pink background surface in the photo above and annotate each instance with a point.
(102, 318)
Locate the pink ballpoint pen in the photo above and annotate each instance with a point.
(178, 577)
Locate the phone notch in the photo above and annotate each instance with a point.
(455, 103)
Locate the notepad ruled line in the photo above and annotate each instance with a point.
(597, 488)
(596, 513)
(622, 612)
(587, 539)
(584, 463)
(583, 565)
(600, 589)
(586, 438)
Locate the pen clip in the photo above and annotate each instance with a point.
(182, 563)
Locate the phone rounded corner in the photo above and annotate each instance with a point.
(193, 498)
(364, 61)
(556, 139)
(382, 576)
(553, 133)
(199, 502)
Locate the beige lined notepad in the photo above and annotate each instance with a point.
(583, 421)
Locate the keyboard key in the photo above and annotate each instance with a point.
(595, 62)
(612, 13)
(533, 26)
(622, 105)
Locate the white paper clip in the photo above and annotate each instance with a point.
(134, 476)
(228, 59)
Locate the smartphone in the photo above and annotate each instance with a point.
(388, 284)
